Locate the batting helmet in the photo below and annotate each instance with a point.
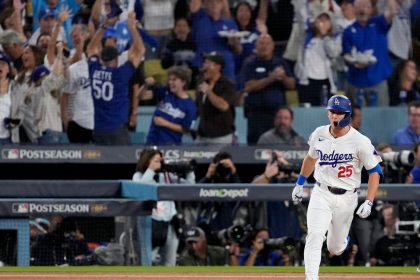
(342, 104)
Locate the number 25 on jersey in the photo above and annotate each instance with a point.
(345, 171)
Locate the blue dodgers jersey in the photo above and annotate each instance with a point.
(373, 36)
(210, 40)
(173, 109)
(110, 94)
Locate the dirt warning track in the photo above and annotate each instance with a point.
(200, 276)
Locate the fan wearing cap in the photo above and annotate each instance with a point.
(313, 67)
(45, 97)
(5, 98)
(370, 74)
(305, 13)
(110, 84)
(209, 17)
(47, 21)
(215, 101)
(54, 40)
(199, 253)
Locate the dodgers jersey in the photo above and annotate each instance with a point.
(340, 160)
(174, 109)
(110, 94)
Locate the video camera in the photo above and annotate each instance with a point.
(404, 250)
(179, 166)
(400, 158)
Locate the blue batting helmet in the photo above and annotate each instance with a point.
(340, 103)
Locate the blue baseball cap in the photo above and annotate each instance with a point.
(45, 13)
(109, 53)
(39, 72)
(4, 58)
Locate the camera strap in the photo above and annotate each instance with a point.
(167, 177)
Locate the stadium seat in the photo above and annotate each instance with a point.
(153, 68)
(292, 98)
(138, 137)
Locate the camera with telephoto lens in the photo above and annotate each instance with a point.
(11, 123)
(288, 168)
(179, 166)
(400, 158)
(283, 243)
(236, 234)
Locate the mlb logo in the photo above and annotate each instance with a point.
(261, 154)
(20, 208)
(10, 153)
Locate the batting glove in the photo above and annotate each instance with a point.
(365, 209)
(297, 193)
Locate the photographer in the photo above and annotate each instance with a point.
(260, 254)
(221, 170)
(199, 253)
(266, 214)
(273, 173)
(382, 254)
(414, 175)
(396, 164)
(164, 221)
(219, 215)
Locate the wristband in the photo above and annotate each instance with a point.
(266, 177)
(301, 180)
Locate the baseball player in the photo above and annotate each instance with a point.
(337, 153)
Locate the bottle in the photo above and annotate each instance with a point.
(324, 95)
(29, 9)
(360, 97)
(373, 99)
(403, 97)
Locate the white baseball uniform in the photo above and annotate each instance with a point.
(339, 163)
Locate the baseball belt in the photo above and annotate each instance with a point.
(335, 190)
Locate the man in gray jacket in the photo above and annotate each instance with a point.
(282, 133)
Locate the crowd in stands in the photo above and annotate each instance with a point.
(77, 71)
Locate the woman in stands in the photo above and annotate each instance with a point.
(176, 110)
(164, 221)
(313, 67)
(403, 86)
(25, 130)
(245, 19)
(5, 101)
